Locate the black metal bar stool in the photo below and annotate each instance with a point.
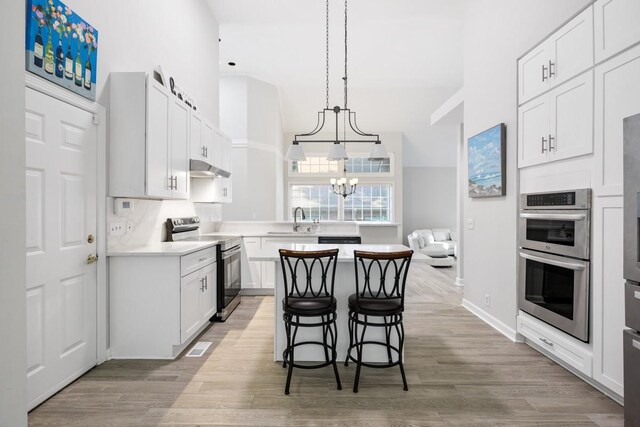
(310, 295)
(379, 303)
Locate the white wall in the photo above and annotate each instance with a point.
(13, 359)
(497, 32)
(138, 36)
(250, 115)
(429, 198)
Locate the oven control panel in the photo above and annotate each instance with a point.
(574, 199)
(552, 199)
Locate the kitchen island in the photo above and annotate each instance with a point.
(344, 286)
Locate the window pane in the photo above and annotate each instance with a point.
(363, 165)
(314, 165)
(370, 203)
(317, 201)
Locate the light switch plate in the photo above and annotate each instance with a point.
(116, 228)
(130, 227)
(470, 223)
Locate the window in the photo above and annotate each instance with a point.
(318, 165)
(362, 165)
(370, 203)
(315, 165)
(317, 201)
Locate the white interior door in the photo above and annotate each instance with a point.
(61, 285)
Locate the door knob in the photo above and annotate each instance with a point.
(92, 258)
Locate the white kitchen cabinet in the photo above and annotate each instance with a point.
(202, 139)
(608, 292)
(149, 139)
(617, 95)
(159, 303)
(197, 300)
(533, 132)
(223, 189)
(615, 26)
(557, 125)
(563, 55)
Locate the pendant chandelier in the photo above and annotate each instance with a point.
(339, 186)
(337, 150)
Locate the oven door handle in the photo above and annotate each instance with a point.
(562, 264)
(558, 217)
(231, 252)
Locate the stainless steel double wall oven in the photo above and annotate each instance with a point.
(555, 241)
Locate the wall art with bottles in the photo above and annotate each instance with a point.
(61, 47)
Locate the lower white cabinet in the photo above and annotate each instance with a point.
(251, 274)
(607, 284)
(197, 300)
(562, 347)
(159, 303)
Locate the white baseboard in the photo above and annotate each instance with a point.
(495, 323)
(459, 281)
(256, 292)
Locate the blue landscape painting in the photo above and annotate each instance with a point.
(61, 47)
(486, 163)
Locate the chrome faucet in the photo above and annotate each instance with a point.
(297, 226)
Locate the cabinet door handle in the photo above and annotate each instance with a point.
(206, 152)
(551, 69)
(544, 73)
(547, 342)
(543, 147)
(551, 146)
(201, 285)
(174, 179)
(206, 282)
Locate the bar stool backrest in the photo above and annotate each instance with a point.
(312, 273)
(384, 274)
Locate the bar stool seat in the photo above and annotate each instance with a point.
(375, 306)
(309, 306)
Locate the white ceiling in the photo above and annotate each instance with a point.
(399, 44)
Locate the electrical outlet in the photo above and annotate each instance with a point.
(487, 300)
(116, 229)
(130, 227)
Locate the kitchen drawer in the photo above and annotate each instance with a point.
(631, 377)
(194, 261)
(540, 335)
(632, 306)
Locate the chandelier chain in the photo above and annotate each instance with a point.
(327, 50)
(345, 54)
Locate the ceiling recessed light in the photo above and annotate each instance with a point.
(233, 64)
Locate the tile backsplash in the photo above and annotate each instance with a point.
(149, 216)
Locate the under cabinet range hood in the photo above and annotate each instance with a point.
(200, 169)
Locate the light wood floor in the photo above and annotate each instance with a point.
(460, 371)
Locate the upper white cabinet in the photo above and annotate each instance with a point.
(616, 26)
(565, 54)
(218, 189)
(617, 95)
(557, 125)
(202, 139)
(149, 139)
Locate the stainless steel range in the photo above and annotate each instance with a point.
(554, 259)
(229, 257)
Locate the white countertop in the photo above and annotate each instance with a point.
(160, 249)
(345, 254)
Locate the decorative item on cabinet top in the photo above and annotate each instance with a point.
(487, 162)
(60, 26)
(169, 81)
